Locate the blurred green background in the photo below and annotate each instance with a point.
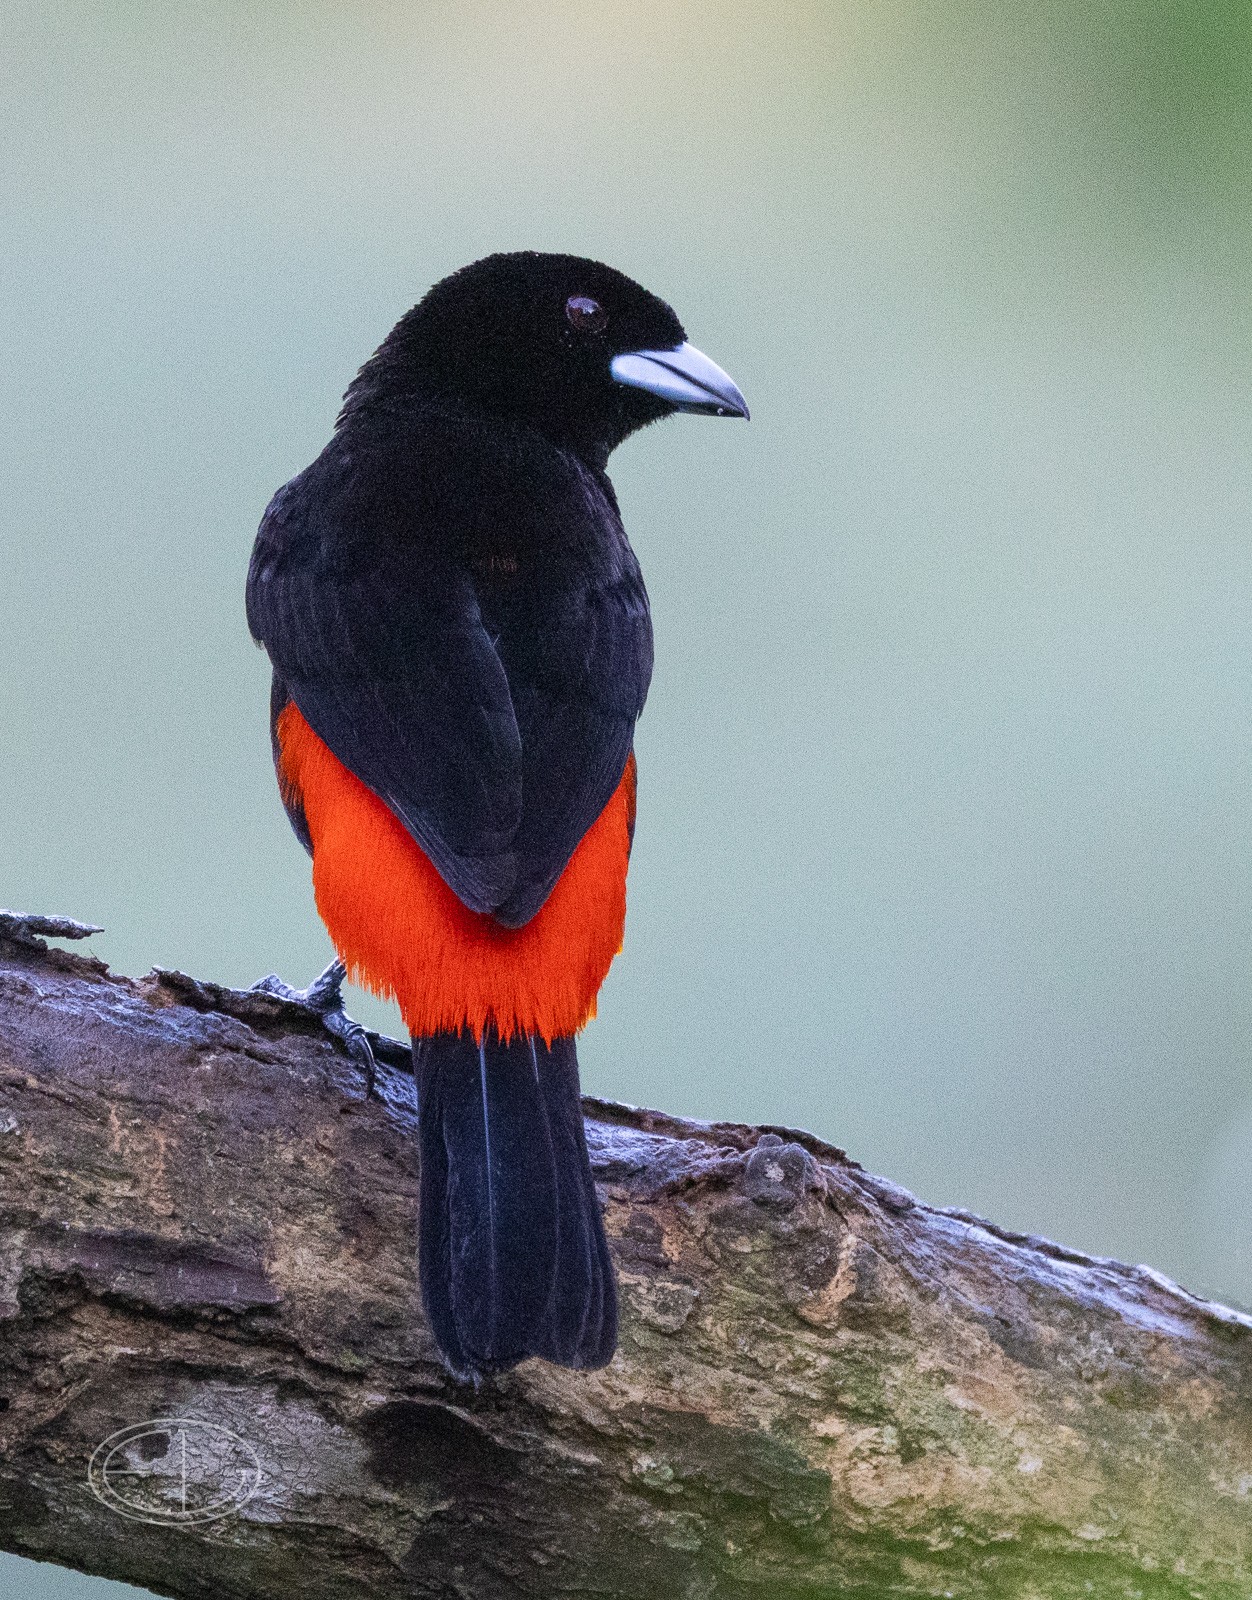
(944, 846)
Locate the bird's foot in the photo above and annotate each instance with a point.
(324, 997)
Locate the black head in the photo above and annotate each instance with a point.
(534, 339)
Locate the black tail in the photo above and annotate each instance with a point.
(512, 1254)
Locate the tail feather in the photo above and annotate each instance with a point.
(512, 1255)
(582, 1311)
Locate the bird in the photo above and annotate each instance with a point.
(461, 645)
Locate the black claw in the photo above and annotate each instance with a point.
(324, 997)
(356, 1040)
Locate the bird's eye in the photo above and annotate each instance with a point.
(585, 314)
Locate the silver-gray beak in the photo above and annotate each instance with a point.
(683, 376)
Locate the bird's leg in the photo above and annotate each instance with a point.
(324, 997)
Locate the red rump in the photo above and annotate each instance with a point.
(403, 933)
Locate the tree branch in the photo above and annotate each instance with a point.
(824, 1387)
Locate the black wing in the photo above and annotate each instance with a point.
(389, 663)
(578, 682)
(467, 630)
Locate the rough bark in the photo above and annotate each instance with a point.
(824, 1387)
